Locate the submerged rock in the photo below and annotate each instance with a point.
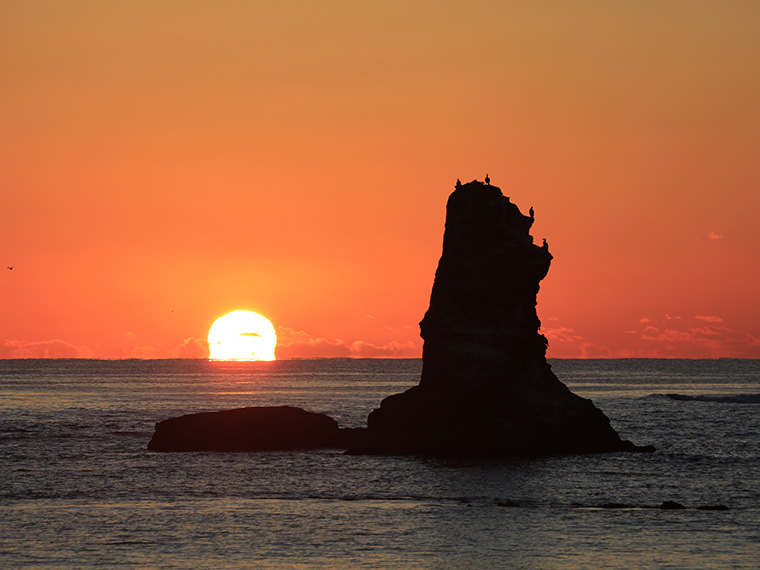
(671, 506)
(486, 389)
(250, 429)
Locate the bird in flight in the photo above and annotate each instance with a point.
(10, 267)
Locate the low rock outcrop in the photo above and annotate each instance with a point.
(486, 389)
(251, 429)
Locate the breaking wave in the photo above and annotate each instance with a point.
(733, 399)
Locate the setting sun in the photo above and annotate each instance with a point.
(242, 335)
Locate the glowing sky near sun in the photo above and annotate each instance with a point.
(163, 164)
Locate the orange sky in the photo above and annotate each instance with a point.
(163, 163)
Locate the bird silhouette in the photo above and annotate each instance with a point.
(488, 180)
(11, 266)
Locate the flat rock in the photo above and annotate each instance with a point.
(251, 429)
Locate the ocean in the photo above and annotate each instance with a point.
(79, 489)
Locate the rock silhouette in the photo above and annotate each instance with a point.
(250, 429)
(486, 389)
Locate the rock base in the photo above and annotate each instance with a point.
(502, 423)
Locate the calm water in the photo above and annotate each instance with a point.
(78, 489)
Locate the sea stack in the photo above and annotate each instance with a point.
(486, 389)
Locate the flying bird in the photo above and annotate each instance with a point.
(11, 266)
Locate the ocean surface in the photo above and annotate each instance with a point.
(79, 489)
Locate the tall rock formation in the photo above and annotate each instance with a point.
(486, 388)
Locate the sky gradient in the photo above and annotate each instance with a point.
(164, 163)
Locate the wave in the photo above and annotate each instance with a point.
(732, 399)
